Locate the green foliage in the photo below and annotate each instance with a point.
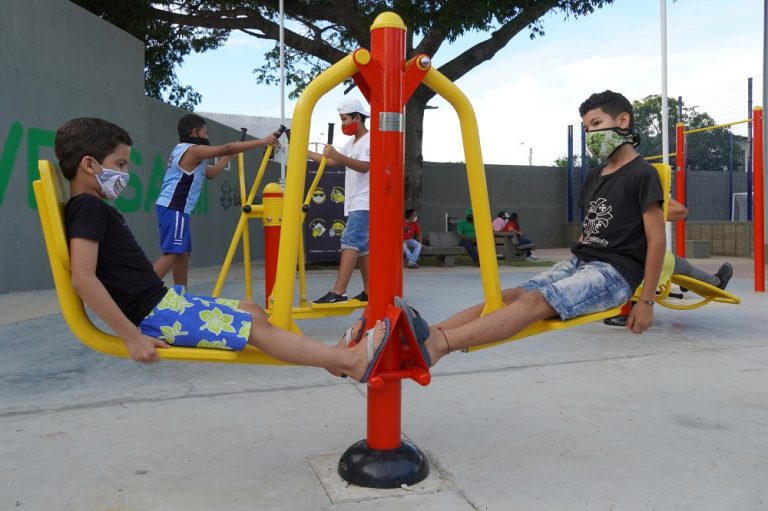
(708, 150)
(318, 32)
(562, 161)
(166, 45)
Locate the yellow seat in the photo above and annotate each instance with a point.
(553, 324)
(707, 293)
(50, 204)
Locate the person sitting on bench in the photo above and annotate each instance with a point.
(513, 225)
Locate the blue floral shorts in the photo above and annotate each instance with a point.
(575, 287)
(184, 319)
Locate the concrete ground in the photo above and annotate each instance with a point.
(587, 418)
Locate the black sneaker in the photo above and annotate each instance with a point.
(363, 297)
(616, 321)
(724, 274)
(331, 297)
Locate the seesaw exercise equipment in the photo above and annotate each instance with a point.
(384, 459)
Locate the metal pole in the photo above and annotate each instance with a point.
(282, 88)
(730, 177)
(664, 98)
(570, 172)
(758, 228)
(583, 163)
(664, 101)
(765, 95)
(750, 145)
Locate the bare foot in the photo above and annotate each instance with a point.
(352, 335)
(348, 341)
(361, 351)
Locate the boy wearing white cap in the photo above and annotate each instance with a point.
(355, 155)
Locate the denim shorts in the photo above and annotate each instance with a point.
(184, 319)
(575, 287)
(174, 230)
(355, 236)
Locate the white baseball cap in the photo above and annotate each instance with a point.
(351, 106)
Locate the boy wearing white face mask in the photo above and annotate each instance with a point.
(115, 279)
(182, 183)
(622, 244)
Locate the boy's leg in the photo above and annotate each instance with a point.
(354, 244)
(471, 313)
(416, 251)
(346, 267)
(301, 350)
(471, 250)
(501, 324)
(362, 263)
(683, 267)
(175, 241)
(181, 270)
(164, 263)
(570, 288)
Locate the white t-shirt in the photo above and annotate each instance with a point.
(356, 184)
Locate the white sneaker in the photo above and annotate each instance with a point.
(531, 258)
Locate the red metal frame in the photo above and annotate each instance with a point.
(758, 212)
(680, 186)
(387, 81)
(271, 243)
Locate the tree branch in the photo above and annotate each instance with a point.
(250, 19)
(486, 50)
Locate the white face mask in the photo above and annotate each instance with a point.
(112, 182)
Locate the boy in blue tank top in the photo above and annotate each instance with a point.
(181, 188)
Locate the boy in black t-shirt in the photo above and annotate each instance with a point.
(622, 244)
(115, 279)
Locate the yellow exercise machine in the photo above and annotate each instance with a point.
(270, 212)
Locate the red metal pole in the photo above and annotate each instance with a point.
(386, 206)
(272, 219)
(758, 223)
(680, 186)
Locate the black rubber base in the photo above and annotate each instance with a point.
(372, 468)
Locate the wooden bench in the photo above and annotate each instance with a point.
(444, 245)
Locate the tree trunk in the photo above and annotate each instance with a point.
(414, 159)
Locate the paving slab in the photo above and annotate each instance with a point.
(587, 418)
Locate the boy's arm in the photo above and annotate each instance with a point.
(641, 316)
(84, 254)
(332, 154)
(212, 171)
(316, 157)
(198, 153)
(676, 211)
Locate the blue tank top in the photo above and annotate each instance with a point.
(181, 189)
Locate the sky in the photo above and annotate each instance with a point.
(526, 97)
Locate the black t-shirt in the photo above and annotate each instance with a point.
(613, 226)
(122, 266)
